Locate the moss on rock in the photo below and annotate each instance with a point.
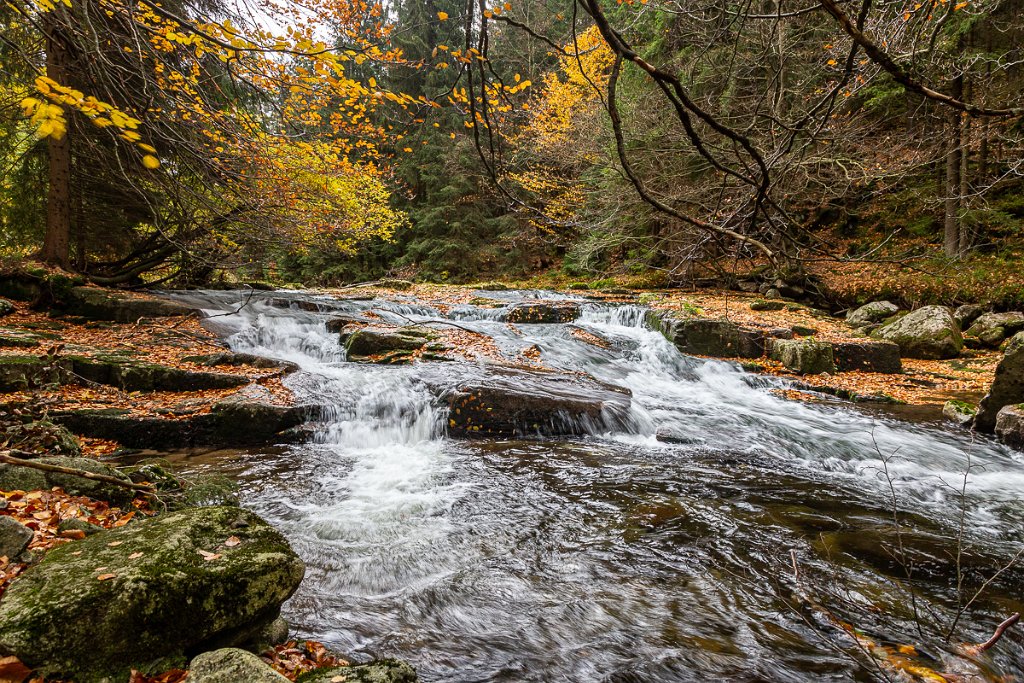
(148, 594)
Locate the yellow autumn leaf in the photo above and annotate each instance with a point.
(443, 16)
(150, 161)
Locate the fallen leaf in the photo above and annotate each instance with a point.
(232, 541)
(135, 556)
(104, 577)
(12, 670)
(208, 556)
(114, 544)
(73, 533)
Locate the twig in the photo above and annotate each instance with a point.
(5, 457)
(1000, 630)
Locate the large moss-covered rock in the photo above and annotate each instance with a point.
(231, 665)
(104, 304)
(1007, 386)
(929, 333)
(525, 403)
(991, 329)
(966, 315)
(235, 359)
(380, 671)
(872, 313)
(805, 356)
(542, 312)
(17, 477)
(710, 337)
(147, 595)
(868, 356)
(1010, 425)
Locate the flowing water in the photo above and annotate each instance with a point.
(615, 556)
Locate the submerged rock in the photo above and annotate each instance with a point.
(523, 403)
(1010, 426)
(868, 356)
(710, 337)
(542, 313)
(380, 671)
(805, 356)
(928, 333)
(871, 314)
(145, 595)
(1007, 387)
(231, 665)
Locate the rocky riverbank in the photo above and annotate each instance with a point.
(82, 538)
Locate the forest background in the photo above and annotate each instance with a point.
(849, 149)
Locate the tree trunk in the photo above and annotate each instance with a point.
(951, 243)
(966, 241)
(57, 240)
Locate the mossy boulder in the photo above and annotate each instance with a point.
(966, 315)
(542, 312)
(380, 671)
(804, 356)
(19, 339)
(1010, 426)
(6, 308)
(990, 330)
(929, 333)
(868, 356)
(710, 337)
(148, 595)
(1007, 386)
(94, 303)
(871, 314)
(17, 477)
(959, 412)
(396, 284)
(231, 665)
(14, 538)
(493, 287)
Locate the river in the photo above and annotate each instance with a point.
(730, 554)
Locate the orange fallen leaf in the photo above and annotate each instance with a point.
(76, 534)
(114, 544)
(232, 541)
(135, 556)
(12, 670)
(104, 577)
(208, 556)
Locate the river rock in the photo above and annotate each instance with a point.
(18, 373)
(538, 312)
(991, 329)
(1007, 387)
(6, 308)
(231, 665)
(929, 333)
(1010, 425)
(246, 418)
(868, 356)
(132, 375)
(14, 537)
(144, 595)
(17, 477)
(386, 345)
(104, 304)
(524, 403)
(966, 315)
(805, 356)
(959, 412)
(42, 437)
(237, 359)
(710, 337)
(380, 671)
(766, 305)
(872, 313)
